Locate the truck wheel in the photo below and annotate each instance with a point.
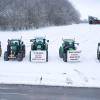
(6, 56)
(20, 57)
(65, 57)
(90, 22)
(60, 52)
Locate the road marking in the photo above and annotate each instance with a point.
(20, 94)
(4, 88)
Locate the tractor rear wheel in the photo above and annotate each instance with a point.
(8, 49)
(98, 51)
(46, 56)
(20, 57)
(30, 56)
(6, 56)
(23, 48)
(98, 54)
(65, 57)
(0, 52)
(60, 52)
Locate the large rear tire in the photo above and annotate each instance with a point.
(65, 57)
(20, 57)
(30, 56)
(0, 52)
(98, 52)
(46, 56)
(6, 56)
(60, 52)
(23, 50)
(8, 49)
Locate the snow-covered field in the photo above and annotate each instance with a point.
(55, 72)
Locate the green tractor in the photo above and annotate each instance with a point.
(68, 50)
(0, 49)
(39, 50)
(15, 50)
(98, 52)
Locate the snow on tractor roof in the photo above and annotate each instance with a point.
(68, 40)
(39, 37)
(14, 39)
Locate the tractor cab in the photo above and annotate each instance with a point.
(69, 44)
(15, 50)
(39, 49)
(68, 51)
(40, 40)
(14, 46)
(39, 43)
(14, 42)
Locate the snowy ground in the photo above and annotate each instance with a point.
(55, 72)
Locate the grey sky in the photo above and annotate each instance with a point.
(87, 7)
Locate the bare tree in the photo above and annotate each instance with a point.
(25, 14)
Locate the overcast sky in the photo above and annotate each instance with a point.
(87, 7)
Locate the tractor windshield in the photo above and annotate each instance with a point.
(39, 40)
(69, 43)
(14, 42)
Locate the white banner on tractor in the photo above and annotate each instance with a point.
(38, 56)
(73, 56)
